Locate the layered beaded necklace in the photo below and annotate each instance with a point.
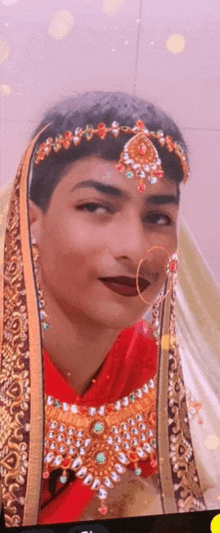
(99, 443)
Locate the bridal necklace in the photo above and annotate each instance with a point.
(97, 444)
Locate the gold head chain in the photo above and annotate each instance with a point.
(139, 157)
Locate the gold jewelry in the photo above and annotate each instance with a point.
(99, 443)
(40, 296)
(170, 268)
(139, 157)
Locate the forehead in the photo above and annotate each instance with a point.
(99, 170)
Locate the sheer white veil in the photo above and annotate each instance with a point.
(198, 327)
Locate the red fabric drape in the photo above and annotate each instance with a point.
(130, 362)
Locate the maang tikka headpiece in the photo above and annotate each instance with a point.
(139, 157)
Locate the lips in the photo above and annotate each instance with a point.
(124, 285)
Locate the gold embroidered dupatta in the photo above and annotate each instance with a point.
(179, 479)
(21, 410)
(21, 401)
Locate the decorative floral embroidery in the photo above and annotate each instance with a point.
(193, 407)
(14, 381)
(187, 488)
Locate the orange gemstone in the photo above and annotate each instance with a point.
(66, 143)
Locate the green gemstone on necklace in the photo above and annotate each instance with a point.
(152, 179)
(138, 471)
(63, 479)
(98, 428)
(129, 174)
(132, 397)
(46, 325)
(100, 458)
(56, 403)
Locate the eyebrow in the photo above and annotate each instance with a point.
(116, 192)
(109, 190)
(161, 199)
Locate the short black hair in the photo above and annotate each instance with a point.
(93, 108)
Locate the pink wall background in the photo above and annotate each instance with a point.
(119, 45)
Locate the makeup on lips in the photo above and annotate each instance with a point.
(124, 285)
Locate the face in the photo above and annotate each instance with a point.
(97, 229)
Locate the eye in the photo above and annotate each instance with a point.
(159, 219)
(92, 207)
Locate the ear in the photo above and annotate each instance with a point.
(36, 218)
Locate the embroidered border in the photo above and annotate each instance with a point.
(15, 386)
(187, 490)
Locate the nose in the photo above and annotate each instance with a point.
(131, 241)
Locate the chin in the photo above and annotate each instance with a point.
(113, 315)
(117, 321)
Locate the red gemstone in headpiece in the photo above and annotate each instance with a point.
(142, 149)
(140, 124)
(68, 135)
(101, 130)
(67, 138)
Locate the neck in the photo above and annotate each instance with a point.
(77, 346)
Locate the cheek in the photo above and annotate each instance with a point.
(157, 254)
(68, 249)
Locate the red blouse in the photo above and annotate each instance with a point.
(130, 362)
